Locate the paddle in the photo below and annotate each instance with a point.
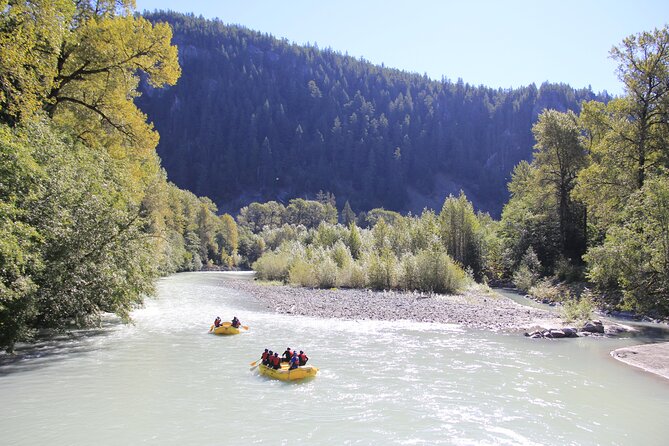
(245, 327)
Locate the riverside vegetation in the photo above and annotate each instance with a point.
(88, 219)
(592, 205)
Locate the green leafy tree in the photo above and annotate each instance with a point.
(559, 156)
(635, 254)
(459, 230)
(31, 33)
(627, 138)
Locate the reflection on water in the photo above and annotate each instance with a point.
(164, 380)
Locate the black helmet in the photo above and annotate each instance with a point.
(301, 352)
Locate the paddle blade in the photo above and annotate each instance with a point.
(254, 362)
(211, 329)
(245, 327)
(254, 367)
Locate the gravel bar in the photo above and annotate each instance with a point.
(478, 307)
(653, 358)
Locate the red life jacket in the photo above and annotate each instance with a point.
(264, 355)
(288, 354)
(303, 358)
(275, 360)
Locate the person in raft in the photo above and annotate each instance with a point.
(217, 322)
(294, 361)
(287, 355)
(235, 322)
(265, 357)
(303, 358)
(275, 361)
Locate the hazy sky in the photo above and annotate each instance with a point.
(495, 43)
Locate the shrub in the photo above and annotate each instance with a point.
(302, 273)
(326, 273)
(272, 266)
(409, 274)
(579, 310)
(545, 290)
(341, 255)
(353, 275)
(524, 279)
(382, 271)
(566, 271)
(437, 273)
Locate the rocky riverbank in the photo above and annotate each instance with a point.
(478, 307)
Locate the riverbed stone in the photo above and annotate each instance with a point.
(594, 326)
(570, 332)
(477, 307)
(556, 333)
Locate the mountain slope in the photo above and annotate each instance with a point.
(256, 118)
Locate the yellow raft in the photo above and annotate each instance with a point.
(284, 374)
(225, 328)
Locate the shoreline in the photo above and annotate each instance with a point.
(478, 307)
(651, 358)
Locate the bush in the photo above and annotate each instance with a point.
(272, 266)
(409, 274)
(326, 273)
(545, 290)
(524, 279)
(566, 271)
(302, 273)
(437, 273)
(579, 310)
(382, 271)
(341, 255)
(353, 275)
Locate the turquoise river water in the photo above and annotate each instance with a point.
(165, 381)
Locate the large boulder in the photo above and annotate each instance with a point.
(556, 333)
(570, 332)
(593, 327)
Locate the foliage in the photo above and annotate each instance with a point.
(579, 310)
(635, 254)
(544, 290)
(272, 266)
(256, 118)
(460, 232)
(87, 217)
(542, 212)
(528, 272)
(438, 274)
(257, 217)
(404, 254)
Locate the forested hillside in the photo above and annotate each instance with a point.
(587, 222)
(255, 118)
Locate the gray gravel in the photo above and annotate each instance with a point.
(478, 307)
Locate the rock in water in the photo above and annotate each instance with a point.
(593, 327)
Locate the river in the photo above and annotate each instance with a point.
(165, 381)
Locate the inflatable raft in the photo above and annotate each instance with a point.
(225, 328)
(283, 374)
